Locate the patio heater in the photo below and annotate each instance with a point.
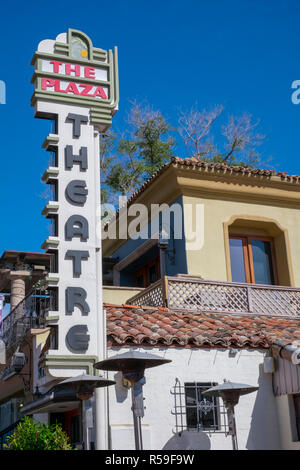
(133, 364)
(230, 393)
(84, 386)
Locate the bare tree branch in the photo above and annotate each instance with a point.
(194, 126)
(241, 138)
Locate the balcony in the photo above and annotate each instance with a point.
(188, 293)
(30, 313)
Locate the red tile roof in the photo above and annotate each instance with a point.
(152, 326)
(225, 168)
(218, 168)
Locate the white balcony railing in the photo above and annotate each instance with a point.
(220, 297)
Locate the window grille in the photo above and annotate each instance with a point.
(196, 412)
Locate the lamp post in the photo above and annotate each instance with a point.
(230, 393)
(84, 386)
(133, 364)
(163, 244)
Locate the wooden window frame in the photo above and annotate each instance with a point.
(144, 271)
(248, 255)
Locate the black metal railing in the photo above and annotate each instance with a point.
(4, 264)
(30, 313)
(194, 412)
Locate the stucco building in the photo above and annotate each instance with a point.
(221, 299)
(247, 225)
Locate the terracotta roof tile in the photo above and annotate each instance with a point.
(218, 168)
(132, 325)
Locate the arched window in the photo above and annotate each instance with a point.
(79, 47)
(258, 251)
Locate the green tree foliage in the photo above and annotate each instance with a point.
(129, 160)
(37, 436)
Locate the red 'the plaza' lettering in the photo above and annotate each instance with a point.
(72, 87)
(68, 69)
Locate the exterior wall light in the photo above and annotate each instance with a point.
(18, 360)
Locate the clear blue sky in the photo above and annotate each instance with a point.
(243, 54)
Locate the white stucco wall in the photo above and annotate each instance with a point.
(256, 413)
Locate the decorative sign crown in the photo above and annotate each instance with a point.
(71, 70)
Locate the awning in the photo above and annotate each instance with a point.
(286, 378)
(54, 401)
(290, 352)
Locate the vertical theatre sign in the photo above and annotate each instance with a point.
(75, 86)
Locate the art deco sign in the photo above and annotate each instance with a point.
(76, 85)
(71, 70)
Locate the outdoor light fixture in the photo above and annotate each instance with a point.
(18, 360)
(163, 244)
(163, 241)
(230, 393)
(133, 364)
(84, 386)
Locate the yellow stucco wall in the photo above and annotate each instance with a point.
(226, 195)
(210, 260)
(118, 295)
(41, 336)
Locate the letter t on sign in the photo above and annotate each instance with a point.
(77, 257)
(77, 120)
